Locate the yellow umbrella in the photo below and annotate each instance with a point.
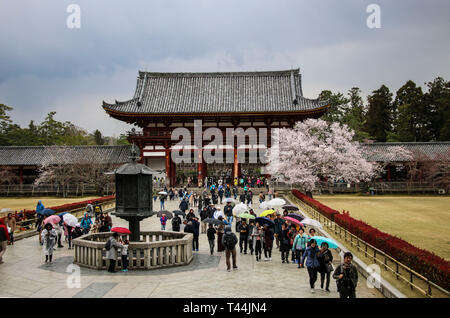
(267, 212)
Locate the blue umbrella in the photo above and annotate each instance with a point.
(322, 239)
(264, 220)
(46, 212)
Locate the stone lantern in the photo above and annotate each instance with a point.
(134, 190)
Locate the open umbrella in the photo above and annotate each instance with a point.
(311, 222)
(240, 208)
(121, 230)
(168, 214)
(228, 200)
(162, 192)
(290, 207)
(213, 221)
(53, 219)
(246, 216)
(46, 212)
(322, 239)
(296, 216)
(267, 212)
(264, 205)
(277, 202)
(264, 221)
(287, 218)
(6, 210)
(70, 220)
(179, 212)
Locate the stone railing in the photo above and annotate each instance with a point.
(157, 249)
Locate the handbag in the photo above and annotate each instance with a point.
(329, 267)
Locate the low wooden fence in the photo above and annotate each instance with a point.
(157, 249)
(403, 273)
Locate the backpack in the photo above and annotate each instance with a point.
(230, 240)
(108, 245)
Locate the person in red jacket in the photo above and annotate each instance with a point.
(4, 238)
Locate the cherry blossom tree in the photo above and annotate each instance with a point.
(314, 149)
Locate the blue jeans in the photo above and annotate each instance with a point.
(124, 261)
(162, 205)
(230, 220)
(163, 227)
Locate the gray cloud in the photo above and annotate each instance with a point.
(45, 66)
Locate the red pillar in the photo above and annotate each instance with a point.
(168, 172)
(173, 172)
(200, 168)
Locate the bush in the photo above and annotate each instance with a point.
(326, 211)
(426, 263)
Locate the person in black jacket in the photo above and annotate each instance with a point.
(203, 216)
(211, 209)
(325, 258)
(346, 277)
(285, 244)
(242, 197)
(196, 230)
(243, 236)
(228, 212)
(190, 215)
(176, 222)
(211, 237)
(183, 205)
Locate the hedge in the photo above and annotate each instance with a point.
(428, 264)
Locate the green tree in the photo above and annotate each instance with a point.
(338, 104)
(354, 114)
(379, 117)
(5, 122)
(99, 140)
(437, 99)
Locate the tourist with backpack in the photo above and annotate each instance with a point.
(229, 241)
(312, 263)
(346, 277)
(176, 223)
(299, 245)
(111, 247)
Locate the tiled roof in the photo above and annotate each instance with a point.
(380, 151)
(199, 93)
(37, 155)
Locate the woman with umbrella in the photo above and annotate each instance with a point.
(48, 238)
(312, 263)
(285, 245)
(325, 268)
(257, 236)
(299, 245)
(220, 232)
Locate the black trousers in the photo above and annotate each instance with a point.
(59, 240)
(243, 239)
(195, 242)
(267, 251)
(347, 293)
(323, 275)
(298, 255)
(112, 265)
(124, 261)
(285, 256)
(312, 271)
(258, 249)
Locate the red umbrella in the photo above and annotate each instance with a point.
(121, 230)
(288, 218)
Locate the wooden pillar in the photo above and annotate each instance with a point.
(236, 168)
(173, 172)
(168, 166)
(21, 175)
(141, 150)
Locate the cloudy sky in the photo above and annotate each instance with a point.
(45, 66)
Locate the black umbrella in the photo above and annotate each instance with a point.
(264, 221)
(290, 207)
(296, 216)
(179, 212)
(213, 221)
(168, 214)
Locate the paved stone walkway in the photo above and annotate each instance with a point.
(24, 274)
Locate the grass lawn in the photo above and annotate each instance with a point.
(30, 203)
(424, 221)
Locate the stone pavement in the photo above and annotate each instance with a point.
(24, 274)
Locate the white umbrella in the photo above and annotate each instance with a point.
(265, 205)
(70, 220)
(240, 208)
(228, 200)
(277, 202)
(6, 210)
(311, 222)
(162, 192)
(217, 213)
